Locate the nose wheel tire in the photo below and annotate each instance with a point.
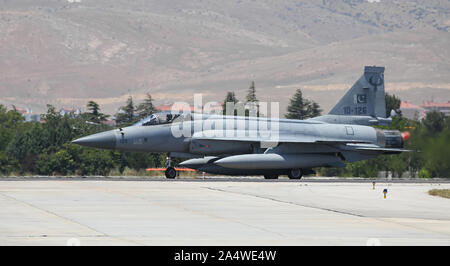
(270, 176)
(295, 174)
(171, 173)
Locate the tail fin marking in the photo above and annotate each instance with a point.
(366, 97)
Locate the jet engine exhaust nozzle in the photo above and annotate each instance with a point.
(406, 135)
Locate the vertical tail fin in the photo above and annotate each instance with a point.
(366, 97)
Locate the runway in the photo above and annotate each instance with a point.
(221, 212)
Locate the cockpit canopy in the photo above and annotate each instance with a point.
(162, 118)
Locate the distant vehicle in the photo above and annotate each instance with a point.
(343, 135)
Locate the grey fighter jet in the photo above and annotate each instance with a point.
(239, 145)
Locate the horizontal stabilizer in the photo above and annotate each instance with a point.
(382, 149)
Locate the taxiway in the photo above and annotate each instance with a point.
(221, 212)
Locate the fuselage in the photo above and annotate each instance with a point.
(224, 135)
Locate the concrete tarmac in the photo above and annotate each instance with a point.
(221, 212)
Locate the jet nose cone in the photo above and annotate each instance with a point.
(104, 140)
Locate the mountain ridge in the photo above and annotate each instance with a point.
(66, 53)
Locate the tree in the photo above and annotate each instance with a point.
(95, 162)
(7, 164)
(58, 128)
(300, 108)
(126, 116)
(434, 122)
(146, 108)
(398, 164)
(296, 108)
(60, 162)
(10, 123)
(251, 95)
(36, 139)
(93, 107)
(229, 98)
(437, 154)
(95, 115)
(392, 103)
(314, 109)
(252, 106)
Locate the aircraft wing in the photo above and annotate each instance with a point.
(246, 136)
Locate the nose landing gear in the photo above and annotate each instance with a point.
(170, 172)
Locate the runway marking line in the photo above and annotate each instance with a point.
(189, 210)
(380, 219)
(65, 219)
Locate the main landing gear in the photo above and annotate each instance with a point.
(295, 173)
(170, 172)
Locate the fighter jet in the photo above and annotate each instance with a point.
(240, 145)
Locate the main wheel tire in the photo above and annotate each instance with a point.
(270, 176)
(295, 173)
(171, 173)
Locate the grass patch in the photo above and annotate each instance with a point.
(445, 193)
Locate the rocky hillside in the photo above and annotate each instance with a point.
(66, 52)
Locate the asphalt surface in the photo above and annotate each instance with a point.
(221, 211)
(229, 179)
